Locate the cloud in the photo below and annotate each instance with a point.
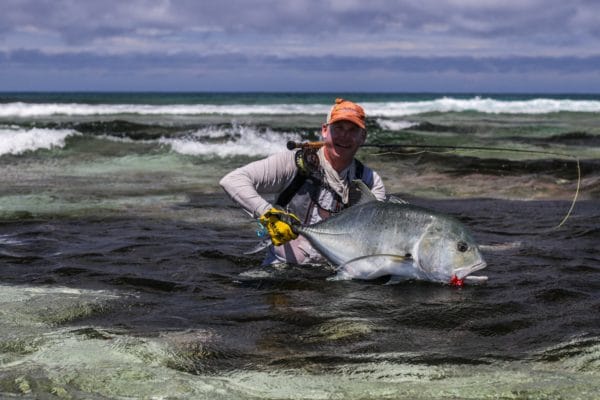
(89, 22)
(36, 59)
(314, 39)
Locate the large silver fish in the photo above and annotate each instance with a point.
(374, 239)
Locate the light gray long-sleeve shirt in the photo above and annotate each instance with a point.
(271, 175)
(247, 185)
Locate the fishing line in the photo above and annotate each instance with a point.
(291, 145)
(574, 197)
(492, 149)
(412, 153)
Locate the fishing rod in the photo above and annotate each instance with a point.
(291, 145)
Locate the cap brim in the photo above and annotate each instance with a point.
(350, 118)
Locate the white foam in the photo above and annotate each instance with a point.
(236, 141)
(373, 109)
(484, 105)
(14, 294)
(18, 141)
(395, 125)
(21, 109)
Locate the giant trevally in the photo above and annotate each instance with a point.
(374, 239)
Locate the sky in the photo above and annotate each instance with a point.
(540, 46)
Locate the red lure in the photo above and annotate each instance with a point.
(454, 281)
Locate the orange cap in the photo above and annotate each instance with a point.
(348, 111)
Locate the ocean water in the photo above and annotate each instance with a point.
(123, 274)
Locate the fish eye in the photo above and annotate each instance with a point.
(462, 246)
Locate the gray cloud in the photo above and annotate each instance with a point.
(307, 40)
(78, 22)
(36, 59)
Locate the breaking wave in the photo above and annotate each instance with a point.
(375, 109)
(24, 110)
(394, 125)
(235, 141)
(18, 141)
(483, 105)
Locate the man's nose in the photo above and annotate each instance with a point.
(348, 135)
(344, 132)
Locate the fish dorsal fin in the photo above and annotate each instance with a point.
(360, 193)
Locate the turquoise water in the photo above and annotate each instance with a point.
(122, 273)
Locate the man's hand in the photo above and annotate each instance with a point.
(279, 225)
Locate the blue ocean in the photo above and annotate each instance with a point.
(123, 273)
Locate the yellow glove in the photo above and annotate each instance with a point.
(278, 224)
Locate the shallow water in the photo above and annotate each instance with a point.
(158, 307)
(122, 272)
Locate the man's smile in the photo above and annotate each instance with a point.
(343, 146)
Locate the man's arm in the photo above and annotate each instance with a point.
(270, 175)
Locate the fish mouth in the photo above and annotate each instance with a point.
(462, 272)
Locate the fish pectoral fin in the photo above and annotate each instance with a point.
(395, 279)
(374, 266)
(259, 247)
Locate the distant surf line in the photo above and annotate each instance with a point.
(393, 108)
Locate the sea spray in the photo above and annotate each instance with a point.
(240, 140)
(17, 141)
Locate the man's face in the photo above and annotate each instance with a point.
(342, 140)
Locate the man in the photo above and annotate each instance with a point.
(312, 184)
